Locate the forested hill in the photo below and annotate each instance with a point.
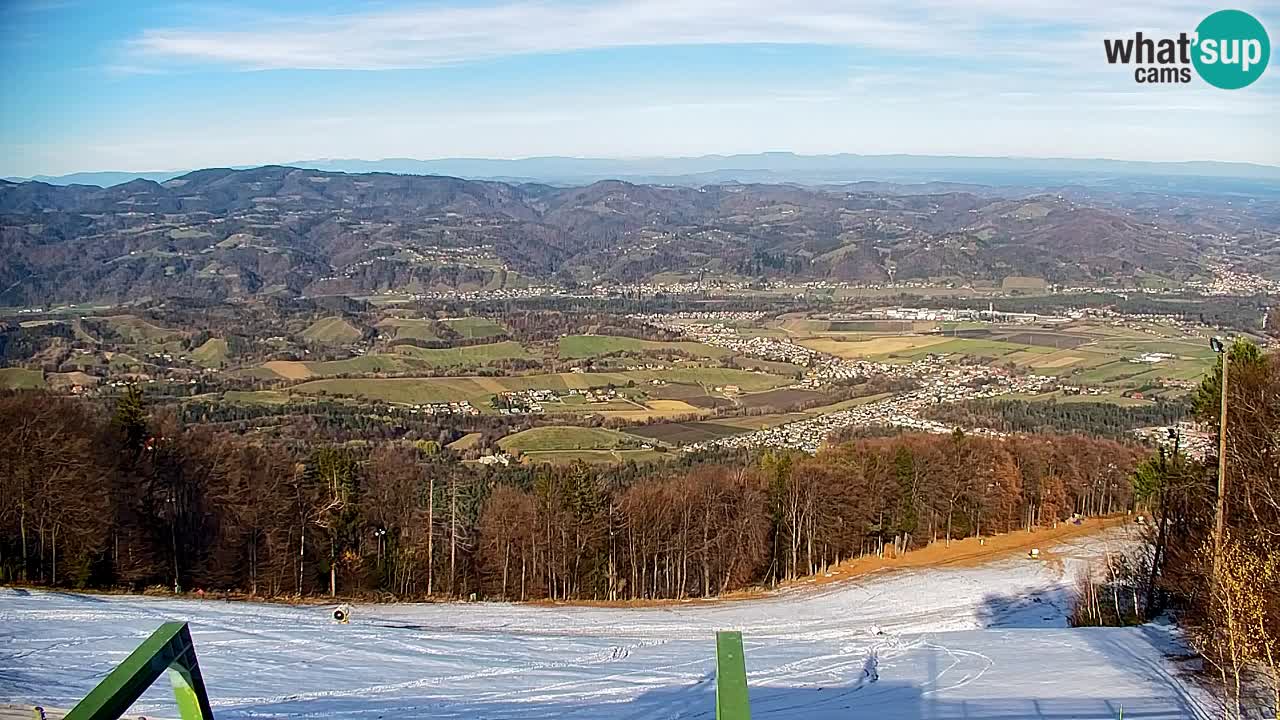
(223, 233)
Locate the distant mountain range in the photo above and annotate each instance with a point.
(223, 233)
(784, 167)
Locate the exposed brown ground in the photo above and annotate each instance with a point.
(289, 369)
(970, 552)
(878, 346)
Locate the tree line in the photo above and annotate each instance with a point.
(1225, 590)
(1095, 418)
(97, 496)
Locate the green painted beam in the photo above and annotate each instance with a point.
(169, 649)
(731, 677)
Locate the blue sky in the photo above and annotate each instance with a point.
(154, 86)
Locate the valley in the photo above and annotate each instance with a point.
(673, 381)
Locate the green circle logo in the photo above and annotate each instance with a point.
(1232, 49)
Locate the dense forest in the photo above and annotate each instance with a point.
(1096, 418)
(98, 496)
(1239, 312)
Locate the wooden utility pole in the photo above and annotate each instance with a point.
(1221, 517)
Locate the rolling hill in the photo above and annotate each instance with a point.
(281, 231)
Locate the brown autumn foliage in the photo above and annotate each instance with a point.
(98, 496)
(1228, 599)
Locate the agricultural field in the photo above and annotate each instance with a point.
(597, 457)
(474, 327)
(970, 346)
(372, 363)
(584, 346)
(652, 410)
(405, 359)
(20, 379)
(686, 432)
(568, 437)
(479, 389)
(136, 331)
(1024, 284)
(869, 348)
(1083, 352)
(407, 328)
(1184, 349)
(331, 331)
(212, 354)
(683, 433)
(568, 444)
(121, 361)
(256, 397)
(467, 355)
(1041, 338)
(770, 366)
(880, 326)
(64, 381)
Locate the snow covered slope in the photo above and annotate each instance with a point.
(980, 643)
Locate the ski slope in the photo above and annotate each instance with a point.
(979, 643)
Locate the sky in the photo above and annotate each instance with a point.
(147, 86)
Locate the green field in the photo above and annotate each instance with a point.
(256, 397)
(1088, 353)
(568, 437)
(21, 379)
(136, 331)
(408, 328)
(331, 331)
(122, 361)
(583, 346)
(475, 327)
(971, 346)
(469, 355)
(606, 457)
(362, 365)
(406, 359)
(1016, 282)
(1122, 373)
(212, 354)
(479, 389)
(1182, 348)
(85, 361)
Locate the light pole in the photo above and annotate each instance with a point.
(1220, 519)
(381, 534)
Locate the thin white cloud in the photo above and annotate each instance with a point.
(417, 38)
(428, 37)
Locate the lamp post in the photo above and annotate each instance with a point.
(1220, 518)
(381, 534)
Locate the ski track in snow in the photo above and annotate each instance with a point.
(985, 643)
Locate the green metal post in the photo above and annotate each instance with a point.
(731, 677)
(168, 649)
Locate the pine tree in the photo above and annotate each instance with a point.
(130, 419)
